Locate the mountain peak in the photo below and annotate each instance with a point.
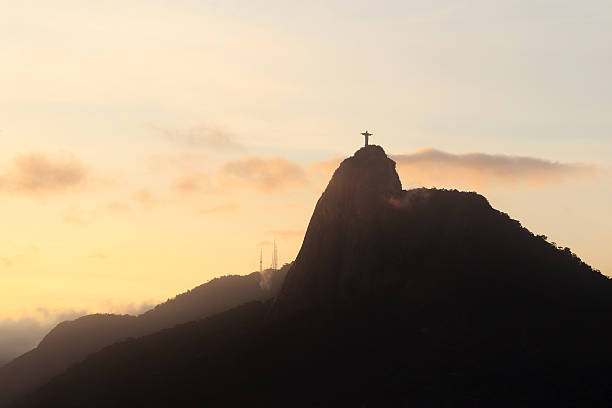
(369, 170)
(371, 150)
(347, 221)
(361, 181)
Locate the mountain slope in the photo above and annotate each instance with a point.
(422, 297)
(72, 341)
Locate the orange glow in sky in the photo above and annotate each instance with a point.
(149, 146)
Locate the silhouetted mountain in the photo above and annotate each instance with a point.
(397, 298)
(367, 234)
(71, 341)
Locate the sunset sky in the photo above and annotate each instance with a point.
(149, 146)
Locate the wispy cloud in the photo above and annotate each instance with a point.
(110, 306)
(38, 173)
(265, 174)
(428, 167)
(201, 136)
(432, 167)
(193, 182)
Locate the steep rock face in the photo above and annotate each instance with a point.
(340, 256)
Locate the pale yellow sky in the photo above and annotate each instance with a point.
(148, 146)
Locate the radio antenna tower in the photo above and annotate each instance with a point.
(260, 261)
(275, 257)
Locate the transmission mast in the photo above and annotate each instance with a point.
(260, 261)
(275, 257)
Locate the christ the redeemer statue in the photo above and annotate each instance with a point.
(367, 136)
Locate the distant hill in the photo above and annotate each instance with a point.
(397, 298)
(71, 341)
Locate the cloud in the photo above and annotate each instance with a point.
(131, 308)
(224, 208)
(136, 309)
(193, 182)
(37, 173)
(57, 316)
(410, 199)
(202, 136)
(265, 174)
(428, 167)
(433, 167)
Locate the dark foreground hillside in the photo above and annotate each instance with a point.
(378, 352)
(397, 298)
(72, 341)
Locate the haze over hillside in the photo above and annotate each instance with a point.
(71, 341)
(418, 297)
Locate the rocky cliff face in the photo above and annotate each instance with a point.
(340, 256)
